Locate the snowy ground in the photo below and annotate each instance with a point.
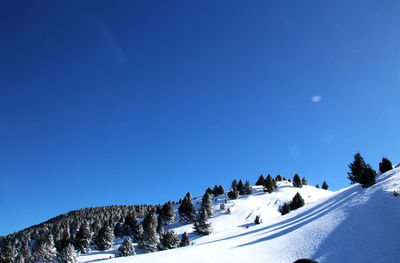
(351, 225)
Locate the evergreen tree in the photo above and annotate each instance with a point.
(206, 204)
(240, 187)
(45, 250)
(126, 249)
(233, 193)
(316, 186)
(257, 220)
(234, 184)
(360, 172)
(186, 210)
(325, 185)
(304, 181)
(215, 191)
(296, 202)
(8, 253)
(269, 185)
(222, 206)
(64, 242)
(160, 228)
(260, 180)
(151, 240)
(201, 225)
(278, 178)
(104, 238)
(247, 188)
(167, 214)
(221, 190)
(385, 165)
(68, 255)
(285, 209)
(169, 240)
(83, 239)
(228, 211)
(184, 240)
(139, 231)
(130, 223)
(297, 181)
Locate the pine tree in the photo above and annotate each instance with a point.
(64, 242)
(160, 228)
(83, 239)
(151, 240)
(45, 250)
(260, 180)
(184, 240)
(278, 178)
(233, 193)
(234, 184)
(304, 181)
(257, 220)
(368, 177)
(201, 225)
(126, 249)
(206, 204)
(129, 224)
(385, 165)
(167, 214)
(296, 202)
(105, 238)
(325, 185)
(285, 209)
(269, 185)
(297, 181)
(138, 234)
(360, 172)
(186, 210)
(222, 206)
(169, 240)
(221, 190)
(240, 187)
(8, 253)
(68, 255)
(247, 188)
(317, 186)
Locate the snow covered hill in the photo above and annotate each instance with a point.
(351, 225)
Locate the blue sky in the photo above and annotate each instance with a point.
(130, 102)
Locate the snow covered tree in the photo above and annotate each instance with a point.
(68, 255)
(304, 181)
(385, 165)
(260, 180)
(325, 185)
(126, 249)
(269, 185)
(207, 204)
(45, 250)
(151, 240)
(297, 181)
(160, 228)
(130, 223)
(169, 240)
(296, 202)
(247, 188)
(167, 214)
(186, 210)
(360, 172)
(257, 220)
(233, 193)
(184, 240)
(285, 208)
(83, 239)
(138, 236)
(8, 253)
(201, 225)
(105, 238)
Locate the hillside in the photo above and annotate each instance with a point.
(351, 225)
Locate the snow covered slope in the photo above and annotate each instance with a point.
(351, 225)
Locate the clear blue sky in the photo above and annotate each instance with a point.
(129, 102)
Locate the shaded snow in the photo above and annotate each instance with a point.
(351, 225)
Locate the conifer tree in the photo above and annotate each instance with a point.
(167, 214)
(126, 249)
(139, 231)
(8, 253)
(257, 220)
(160, 228)
(233, 193)
(45, 250)
(129, 224)
(247, 188)
(240, 188)
(285, 209)
(297, 181)
(296, 202)
(83, 239)
(304, 181)
(222, 206)
(269, 185)
(105, 238)
(184, 240)
(385, 165)
(316, 186)
(221, 190)
(360, 172)
(278, 178)
(206, 204)
(186, 210)
(215, 191)
(151, 240)
(201, 225)
(260, 180)
(234, 184)
(169, 240)
(325, 185)
(68, 255)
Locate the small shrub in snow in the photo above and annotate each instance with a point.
(304, 181)
(228, 210)
(317, 186)
(222, 206)
(396, 194)
(257, 220)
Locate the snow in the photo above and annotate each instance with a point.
(351, 225)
